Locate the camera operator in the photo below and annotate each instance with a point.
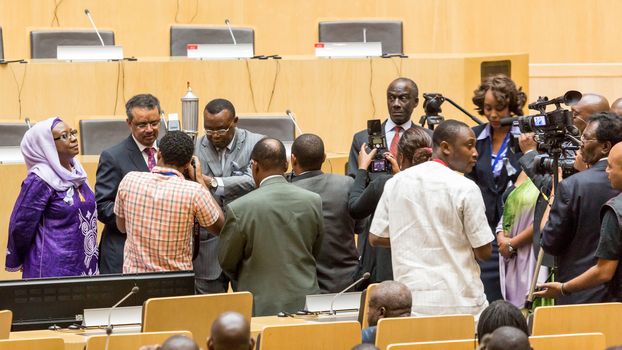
(413, 148)
(157, 210)
(587, 105)
(402, 98)
(572, 231)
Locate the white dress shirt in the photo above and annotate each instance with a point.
(434, 217)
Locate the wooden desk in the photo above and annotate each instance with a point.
(76, 340)
(12, 176)
(330, 97)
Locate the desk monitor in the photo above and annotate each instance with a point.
(40, 303)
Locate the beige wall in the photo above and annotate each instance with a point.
(550, 31)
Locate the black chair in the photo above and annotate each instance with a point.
(11, 133)
(97, 135)
(280, 127)
(43, 43)
(184, 35)
(389, 33)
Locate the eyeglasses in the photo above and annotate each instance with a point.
(66, 136)
(584, 140)
(154, 124)
(220, 132)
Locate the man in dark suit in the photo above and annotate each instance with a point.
(402, 98)
(136, 153)
(224, 152)
(572, 231)
(338, 257)
(272, 236)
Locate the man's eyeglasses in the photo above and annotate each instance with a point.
(584, 139)
(154, 124)
(66, 136)
(220, 132)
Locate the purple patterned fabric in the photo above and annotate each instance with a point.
(53, 227)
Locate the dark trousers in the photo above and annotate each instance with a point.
(490, 275)
(219, 285)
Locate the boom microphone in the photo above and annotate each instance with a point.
(88, 14)
(134, 290)
(231, 31)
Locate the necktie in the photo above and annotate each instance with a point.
(151, 162)
(395, 140)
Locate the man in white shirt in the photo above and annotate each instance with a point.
(434, 220)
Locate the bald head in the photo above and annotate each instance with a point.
(230, 331)
(616, 107)
(402, 98)
(389, 299)
(179, 342)
(588, 105)
(508, 338)
(269, 158)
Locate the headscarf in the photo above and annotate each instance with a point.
(41, 156)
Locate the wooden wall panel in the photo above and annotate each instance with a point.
(550, 31)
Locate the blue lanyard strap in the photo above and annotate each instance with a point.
(504, 145)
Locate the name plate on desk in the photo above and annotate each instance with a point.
(220, 51)
(11, 155)
(348, 50)
(120, 316)
(89, 53)
(321, 302)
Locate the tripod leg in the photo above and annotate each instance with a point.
(534, 281)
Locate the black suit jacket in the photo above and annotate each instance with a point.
(114, 163)
(573, 229)
(358, 140)
(492, 189)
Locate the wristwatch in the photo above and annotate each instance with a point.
(213, 184)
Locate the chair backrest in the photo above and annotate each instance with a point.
(12, 132)
(278, 126)
(6, 317)
(97, 135)
(467, 344)
(365, 306)
(184, 35)
(1, 45)
(194, 313)
(388, 32)
(603, 318)
(131, 341)
(424, 329)
(43, 43)
(312, 336)
(33, 343)
(582, 341)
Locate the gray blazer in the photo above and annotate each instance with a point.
(237, 179)
(338, 258)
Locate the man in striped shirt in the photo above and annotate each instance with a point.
(157, 210)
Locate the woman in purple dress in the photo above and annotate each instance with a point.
(53, 227)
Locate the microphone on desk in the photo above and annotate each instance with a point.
(88, 14)
(332, 303)
(292, 117)
(134, 290)
(231, 31)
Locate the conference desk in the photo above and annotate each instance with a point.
(332, 98)
(12, 176)
(76, 340)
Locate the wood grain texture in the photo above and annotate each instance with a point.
(424, 329)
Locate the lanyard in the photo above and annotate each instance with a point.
(167, 173)
(439, 161)
(504, 145)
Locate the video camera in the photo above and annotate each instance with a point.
(378, 140)
(554, 132)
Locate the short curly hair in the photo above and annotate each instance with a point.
(176, 148)
(504, 91)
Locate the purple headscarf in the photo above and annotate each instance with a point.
(41, 157)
